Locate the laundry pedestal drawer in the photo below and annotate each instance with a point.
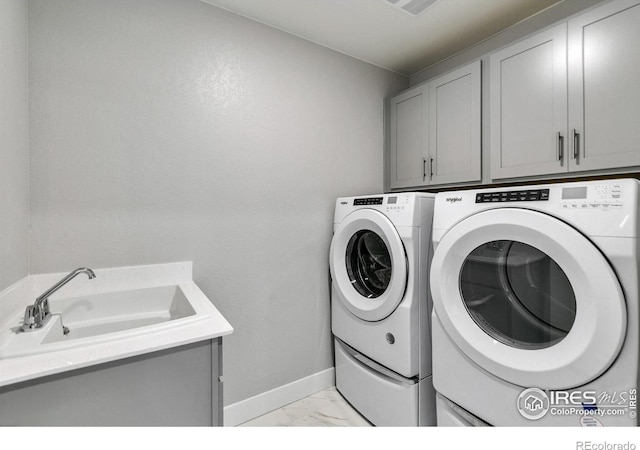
(380, 395)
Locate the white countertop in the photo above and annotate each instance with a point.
(210, 324)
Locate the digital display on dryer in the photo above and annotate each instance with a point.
(574, 193)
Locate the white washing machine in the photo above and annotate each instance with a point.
(535, 305)
(380, 306)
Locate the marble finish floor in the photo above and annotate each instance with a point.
(326, 408)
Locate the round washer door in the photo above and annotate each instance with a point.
(368, 265)
(528, 298)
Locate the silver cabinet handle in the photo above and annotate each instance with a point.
(576, 146)
(424, 169)
(431, 168)
(560, 144)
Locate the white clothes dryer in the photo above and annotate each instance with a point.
(380, 307)
(535, 305)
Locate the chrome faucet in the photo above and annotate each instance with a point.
(37, 315)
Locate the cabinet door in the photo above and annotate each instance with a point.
(455, 136)
(528, 128)
(409, 119)
(604, 80)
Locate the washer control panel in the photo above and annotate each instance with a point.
(368, 201)
(388, 203)
(593, 196)
(396, 203)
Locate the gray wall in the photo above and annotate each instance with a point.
(14, 142)
(169, 130)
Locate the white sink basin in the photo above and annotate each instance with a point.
(99, 317)
(93, 315)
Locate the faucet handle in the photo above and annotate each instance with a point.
(33, 318)
(44, 306)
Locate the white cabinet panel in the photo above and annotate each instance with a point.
(408, 144)
(566, 100)
(435, 131)
(529, 107)
(455, 142)
(604, 75)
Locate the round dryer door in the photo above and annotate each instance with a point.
(368, 265)
(528, 298)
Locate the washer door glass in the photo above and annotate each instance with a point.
(517, 294)
(368, 263)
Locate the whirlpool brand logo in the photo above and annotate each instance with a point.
(453, 199)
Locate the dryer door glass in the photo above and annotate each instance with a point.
(528, 298)
(517, 294)
(368, 263)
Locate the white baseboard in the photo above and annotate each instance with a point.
(260, 404)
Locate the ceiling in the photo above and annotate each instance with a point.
(380, 33)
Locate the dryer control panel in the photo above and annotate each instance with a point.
(593, 196)
(604, 208)
(524, 195)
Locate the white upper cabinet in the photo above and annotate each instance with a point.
(566, 100)
(529, 106)
(409, 114)
(455, 126)
(604, 86)
(435, 131)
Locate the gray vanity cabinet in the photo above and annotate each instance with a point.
(181, 386)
